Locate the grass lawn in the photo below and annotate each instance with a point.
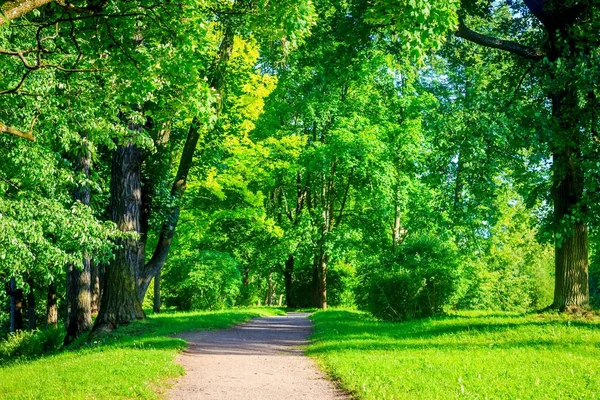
(472, 356)
(134, 362)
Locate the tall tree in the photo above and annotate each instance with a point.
(558, 54)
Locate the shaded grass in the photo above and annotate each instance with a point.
(472, 356)
(135, 361)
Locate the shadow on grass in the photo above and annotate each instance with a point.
(152, 333)
(338, 330)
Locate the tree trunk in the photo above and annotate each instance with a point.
(16, 306)
(127, 278)
(323, 275)
(96, 286)
(571, 287)
(156, 306)
(120, 302)
(79, 318)
(51, 308)
(316, 282)
(288, 273)
(31, 317)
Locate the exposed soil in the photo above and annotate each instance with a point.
(262, 359)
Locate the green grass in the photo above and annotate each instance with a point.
(471, 356)
(136, 361)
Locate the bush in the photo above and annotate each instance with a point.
(30, 344)
(419, 282)
(207, 280)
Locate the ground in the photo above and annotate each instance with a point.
(262, 359)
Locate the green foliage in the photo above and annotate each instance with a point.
(22, 345)
(418, 282)
(467, 355)
(201, 280)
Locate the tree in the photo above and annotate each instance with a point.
(564, 35)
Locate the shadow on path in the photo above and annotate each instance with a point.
(262, 359)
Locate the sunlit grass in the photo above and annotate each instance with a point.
(472, 356)
(136, 361)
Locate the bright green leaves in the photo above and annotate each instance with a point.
(418, 25)
(286, 22)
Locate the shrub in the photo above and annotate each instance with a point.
(201, 281)
(419, 282)
(30, 344)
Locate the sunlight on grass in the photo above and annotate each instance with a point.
(136, 361)
(473, 356)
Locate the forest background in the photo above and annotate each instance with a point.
(405, 157)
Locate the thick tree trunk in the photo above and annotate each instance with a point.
(51, 308)
(156, 305)
(565, 44)
(79, 318)
(31, 317)
(120, 302)
(319, 279)
(571, 287)
(288, 273)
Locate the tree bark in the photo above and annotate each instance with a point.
(571, 287)
(288, 273)
(18, 315)
(156, 305)
(79, 318)
(120, 302)
(31, 317)
(51, 308)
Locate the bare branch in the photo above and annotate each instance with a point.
(530, 53)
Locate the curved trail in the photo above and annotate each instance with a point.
(261, 359)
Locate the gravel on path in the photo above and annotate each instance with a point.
(261, 359)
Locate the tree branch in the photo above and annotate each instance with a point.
(13, 9)
(12, 131)
(530, 53)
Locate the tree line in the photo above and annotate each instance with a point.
(402, 156)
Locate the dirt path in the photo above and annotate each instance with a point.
(259, 360)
